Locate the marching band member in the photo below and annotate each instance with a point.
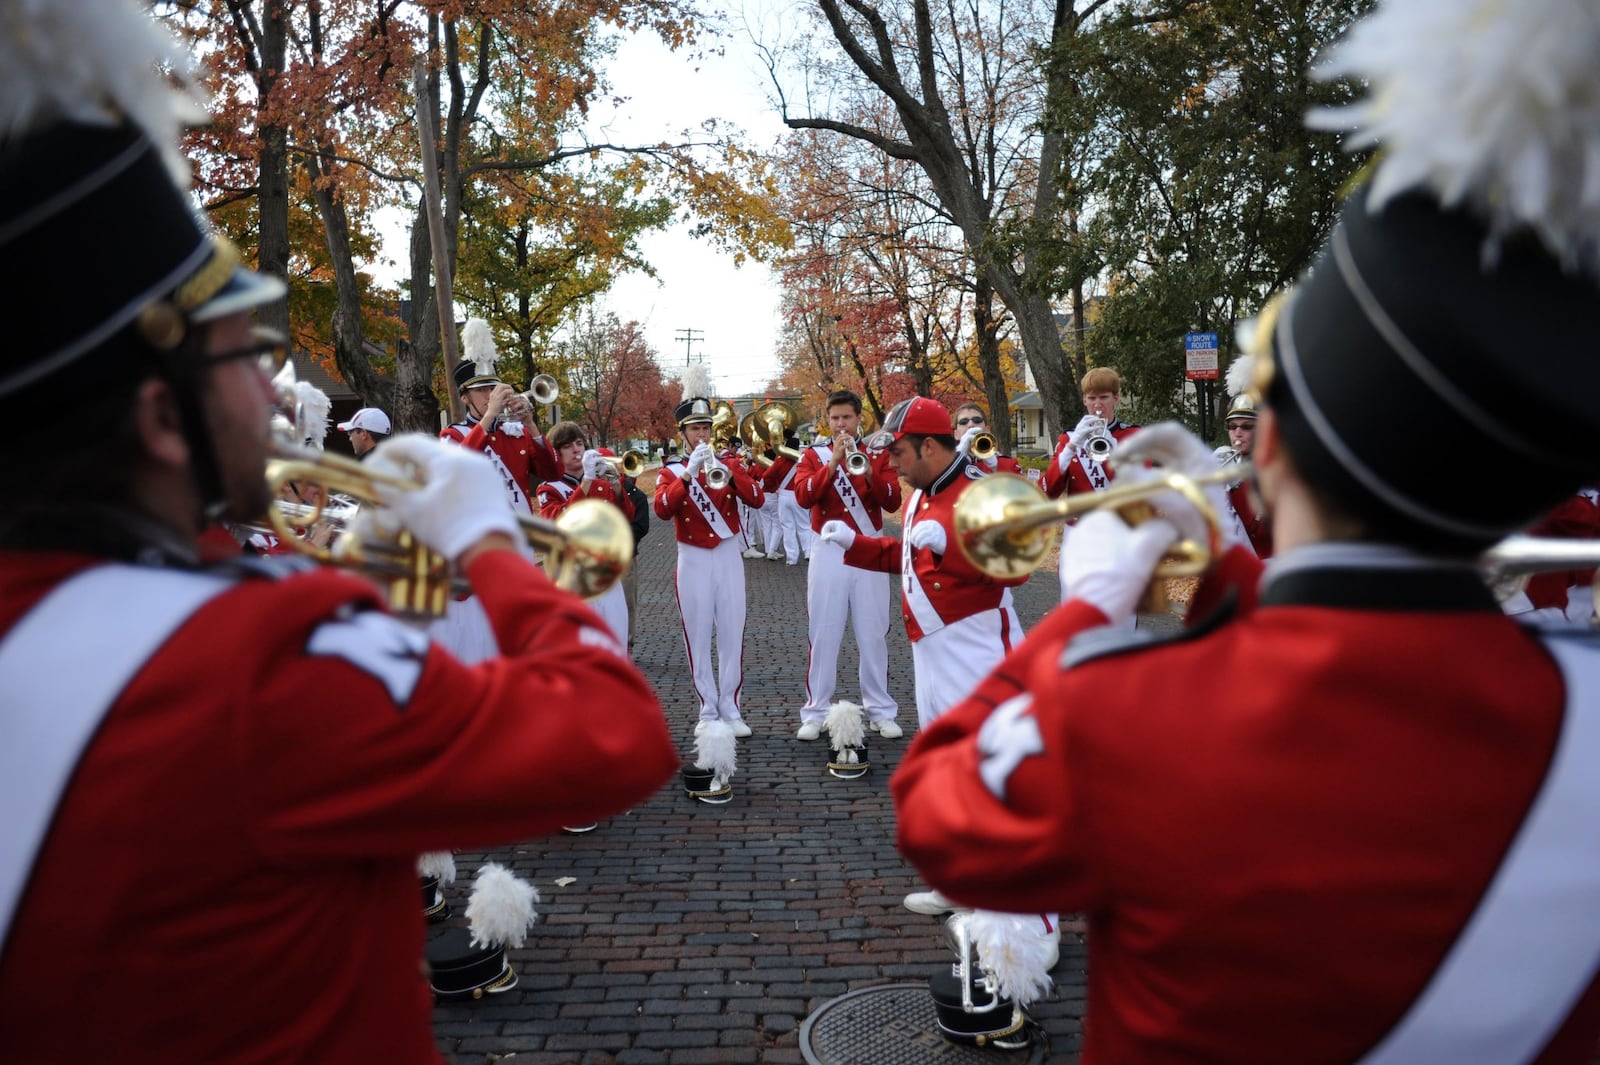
(588, 476)
(1073, 468)
(970, 423)
(1250, 525)
(1399, 808)
(794, 521)
(710, 573)
(836, 592)
(501, 426)
(218, 780)
(960, 620)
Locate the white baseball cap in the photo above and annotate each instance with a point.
(371, 419)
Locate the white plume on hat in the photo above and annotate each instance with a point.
(696, 381)
(1505, 121)
(1015, 950)
(477, 344)
(500, 911)
(311, 409)
(716, 749)
(441, 864)
(1241, 372)
(88, 61)
(846, 724)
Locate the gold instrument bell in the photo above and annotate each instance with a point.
(773, 422)
(586, 550)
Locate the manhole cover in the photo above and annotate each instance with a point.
(892, 1024)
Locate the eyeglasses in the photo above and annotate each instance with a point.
(269, 349)
(976, 419)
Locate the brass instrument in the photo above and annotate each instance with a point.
(724, 430)
(750, 436)
(856, 461)
(773, 422)
(586, 549)
(1100, 443)
(1006, 526)
(542, 391)
(984, 447)
(630, 463)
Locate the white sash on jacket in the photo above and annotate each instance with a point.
(1532, 946)
(62, 668)
(848, 494)
(917, 601)
(708, 509)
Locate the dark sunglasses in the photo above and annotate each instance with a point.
(270, 350)
(976, 419)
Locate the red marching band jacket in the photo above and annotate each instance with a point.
(1080, 477)
(814, 488)
(523, 461)
(673, 501)
(954, 587)
(556, 496)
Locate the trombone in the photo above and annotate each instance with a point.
(586, 549)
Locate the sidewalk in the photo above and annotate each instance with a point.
(694, 934)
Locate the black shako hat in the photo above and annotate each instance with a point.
(94, 237)
(692, 410)
(1437, 393)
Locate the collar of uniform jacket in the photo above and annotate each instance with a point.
(954, 472)
(1373, 576)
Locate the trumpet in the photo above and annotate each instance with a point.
(984, 447)
(1100, 443)
(586, 549)
(630, 463)
(1006, 526)
(856, 461)
(717, 475)
(542, 391)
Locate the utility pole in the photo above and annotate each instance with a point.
(689, 336)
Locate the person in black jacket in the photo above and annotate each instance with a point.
(641, 528)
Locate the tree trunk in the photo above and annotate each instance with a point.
(349, 341)
(994, 381)
(272, 249)
(419, 354)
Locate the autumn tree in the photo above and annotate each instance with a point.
(617, 390)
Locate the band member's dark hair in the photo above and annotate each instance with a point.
(944, 440)
(564, 433)
(843, 395)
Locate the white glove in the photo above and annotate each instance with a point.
(1108, 565)
(992, 462)
(697, 460)
(838, 532)
(964, 445)
(591, 464)
(1086, 425)
(1170, 445)
(462, 499)
(929, 534)
(1064, 459)
(1175, 449)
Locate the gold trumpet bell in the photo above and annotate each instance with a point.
(992, 530)
(593, 549)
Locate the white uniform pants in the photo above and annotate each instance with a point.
(834, 591)
(796, 522)
(772, 525)
(612, 606)
(464, 631)
(950, 663)
(710, 587)
(747, 527)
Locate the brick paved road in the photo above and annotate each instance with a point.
(694, 934)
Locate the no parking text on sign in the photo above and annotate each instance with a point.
(1200, 356)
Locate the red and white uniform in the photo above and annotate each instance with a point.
(1083, 473)
(521, 460)
(1560, 595)
(229, 874)
(710, 578)
(794, 523)
(556, 496)
(1250, 528)
(961, 621)
(1270, 865)
(522, 463)
(836, 592)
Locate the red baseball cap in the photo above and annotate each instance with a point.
(919, 414)
(607, 452)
